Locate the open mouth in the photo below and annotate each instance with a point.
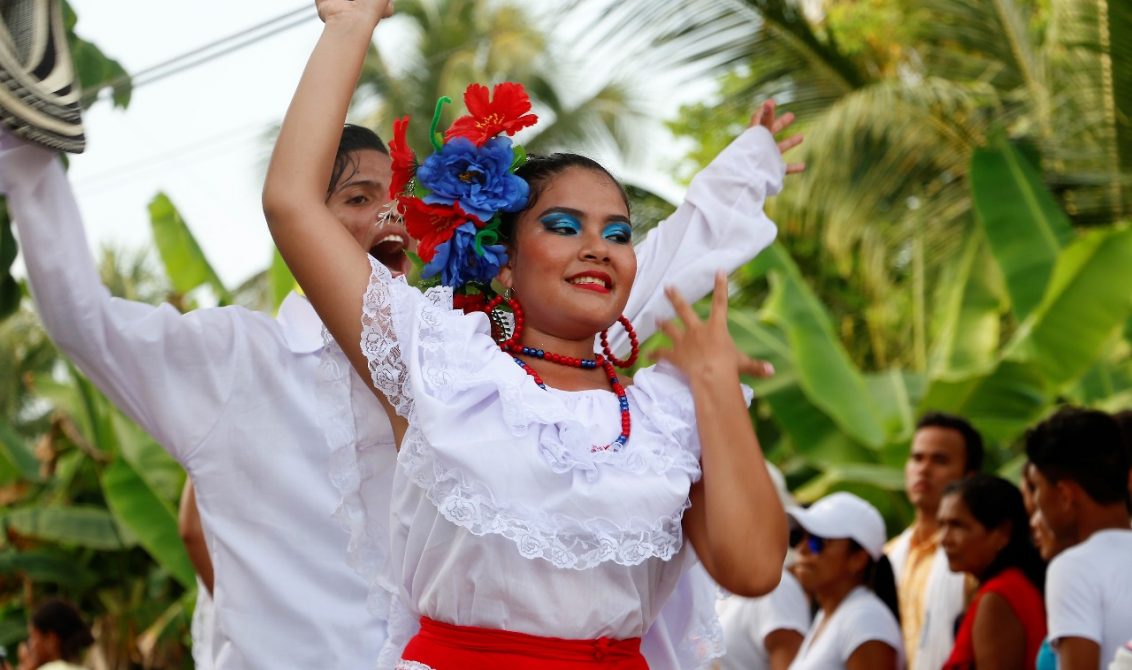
(389, 250)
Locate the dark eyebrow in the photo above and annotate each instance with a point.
(578, 214)
(360, 182)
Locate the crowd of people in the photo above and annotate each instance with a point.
(453, 478)
(992, 573)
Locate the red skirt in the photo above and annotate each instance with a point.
(443, 646)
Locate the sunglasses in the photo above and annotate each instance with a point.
(813, 542)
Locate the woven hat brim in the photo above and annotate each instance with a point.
(39, 98)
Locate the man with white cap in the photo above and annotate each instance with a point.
(841, 563)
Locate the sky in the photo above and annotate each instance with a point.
(199, 135)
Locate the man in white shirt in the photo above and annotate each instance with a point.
(1080, 481)
(232, 395)
(945, 448)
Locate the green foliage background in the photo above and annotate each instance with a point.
(960, 241)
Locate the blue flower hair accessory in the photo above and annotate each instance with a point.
(451, 201)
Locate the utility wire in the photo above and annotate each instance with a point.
(207, 52)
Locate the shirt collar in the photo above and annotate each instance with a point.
(301, 326)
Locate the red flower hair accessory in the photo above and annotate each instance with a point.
(451, 200)
(431, 225)
(504, 111)
(404, 164)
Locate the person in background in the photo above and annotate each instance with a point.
(1080, 479)
(204, 615)
(1047, 546)
(986, 535)
(57, 638)
(841, 562)
(945, 448)
(766, 632)
(1124, 419)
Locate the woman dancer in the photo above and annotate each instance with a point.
(539, 509)
(987, 535)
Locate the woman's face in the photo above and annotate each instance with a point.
(573, 263)
(823, 563)
(970, 546)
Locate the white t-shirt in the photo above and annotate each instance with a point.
(860, 618)
(748, 621)
(1089, 591)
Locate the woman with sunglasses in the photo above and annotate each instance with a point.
(987, 535)
(841, 563)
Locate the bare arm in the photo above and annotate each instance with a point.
(1078, 653)
(998, 636)
(872, 655)
(325, 259)
(192, 534)
(782, 646)
(736, 522)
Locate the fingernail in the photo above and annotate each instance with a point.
(769, 367)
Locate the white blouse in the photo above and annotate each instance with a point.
(503, 513)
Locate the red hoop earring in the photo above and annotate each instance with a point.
(635, 347)
(507, 341)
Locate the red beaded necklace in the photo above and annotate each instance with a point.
(512, 346)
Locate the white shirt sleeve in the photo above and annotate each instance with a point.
(784, 608)
(868, 620)
(169, 372)
(1072, 600)
(720, 225)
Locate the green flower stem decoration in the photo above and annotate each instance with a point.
(488, 235)
(436, 138)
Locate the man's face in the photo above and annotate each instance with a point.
(358, 201)
(1054, 501)
(938, 458)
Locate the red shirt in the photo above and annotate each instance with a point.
(1024, 600)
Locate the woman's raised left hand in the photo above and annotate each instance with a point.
(703, 349)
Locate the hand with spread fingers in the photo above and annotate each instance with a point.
(765, 116)
(702, 347)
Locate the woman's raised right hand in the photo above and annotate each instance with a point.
(354, 10)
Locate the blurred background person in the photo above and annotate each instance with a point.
(57, 638)
(1048, 547)
(204, 614)
(1124, 420)
(932, 597)
(1080, 480)
(986, 534)
(765, 633)
(841, 562)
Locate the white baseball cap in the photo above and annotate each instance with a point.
(843, 515)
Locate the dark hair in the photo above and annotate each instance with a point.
(972, 440)
(539, 169)
(1084, 446)
(1124, 420)
(60, 617)
(881, 580)
(354, 139)
(995, 502)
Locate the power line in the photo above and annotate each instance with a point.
(208, 52)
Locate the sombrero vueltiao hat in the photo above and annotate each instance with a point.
(39, 97)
